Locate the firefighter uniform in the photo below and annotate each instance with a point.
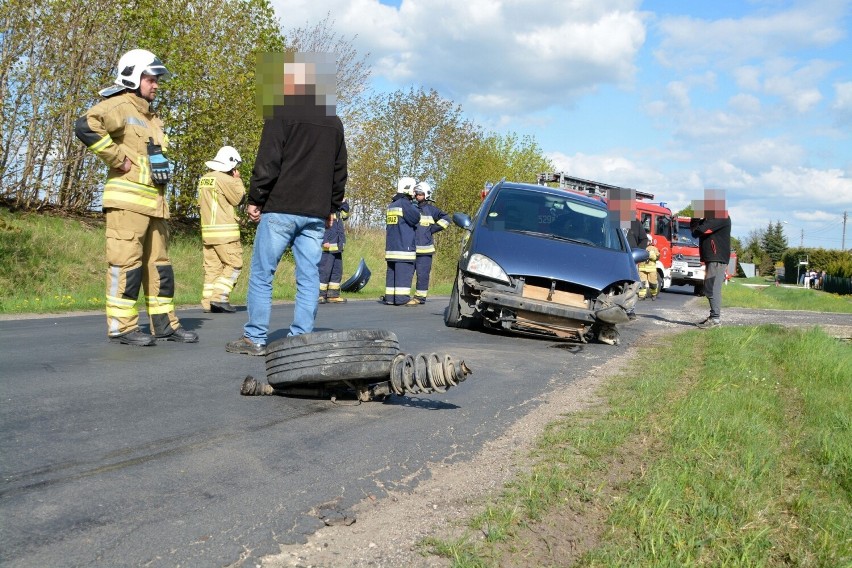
(218, 194)
(331, 261)
(122, 126)
(432, 220)
(400, 252)
(648, 273)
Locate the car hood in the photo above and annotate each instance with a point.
(527, 255)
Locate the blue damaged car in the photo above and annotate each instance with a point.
(544, 261)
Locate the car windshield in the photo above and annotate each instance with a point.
(684, 235)
(552, 216)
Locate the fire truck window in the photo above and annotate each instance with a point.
(664, 227)
(646, 222)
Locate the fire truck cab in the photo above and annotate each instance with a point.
(655, 217)
(687, 268)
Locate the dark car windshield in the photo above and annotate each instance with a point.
(552, 216)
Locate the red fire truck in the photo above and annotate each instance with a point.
(655, 217)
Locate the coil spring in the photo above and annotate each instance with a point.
(425, 373)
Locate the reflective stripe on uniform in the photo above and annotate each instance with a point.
(144, 169)
(425, 249)
(390, 291)
(213, 231)
(120, 307)
(101, 144)
(400, 255)
(159, 305)
(118, 189)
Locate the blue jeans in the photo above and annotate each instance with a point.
(275, 233)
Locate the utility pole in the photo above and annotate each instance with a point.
(843, 242)
(802, 239)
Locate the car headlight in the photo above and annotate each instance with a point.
(484, 266)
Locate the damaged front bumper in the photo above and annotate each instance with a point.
(540, 310)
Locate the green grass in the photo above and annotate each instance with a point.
(726, 458)
(737, 295)
(57, 264)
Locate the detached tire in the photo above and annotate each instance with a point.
(331, 356)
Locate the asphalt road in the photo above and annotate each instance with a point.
(114, 455)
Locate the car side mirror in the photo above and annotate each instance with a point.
(639, 255)
(462, 220)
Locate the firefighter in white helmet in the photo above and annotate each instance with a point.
(124, 132)
(432, 220)
(400, 252)
(219, 191)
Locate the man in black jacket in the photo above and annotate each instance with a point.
(297, 185)
(712, 228)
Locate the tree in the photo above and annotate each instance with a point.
(774, 242)
(752, 251)
(405, 133)
(490, 158)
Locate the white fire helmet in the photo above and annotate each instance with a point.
(134, 63)
(227, 158)
(406, 185)
(424, 188)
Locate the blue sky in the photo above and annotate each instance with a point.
(666, 96)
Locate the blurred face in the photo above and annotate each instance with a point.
(420, 197)
(296, 76)
(148, 85)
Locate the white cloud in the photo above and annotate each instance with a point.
(534, 53)
(842, 105)
(730, 41)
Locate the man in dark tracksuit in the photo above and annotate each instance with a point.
(432, 220)
(331, 263)
(713, 232)
(402, 217)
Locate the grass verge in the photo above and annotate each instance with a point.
(738, 452)
(56, 264)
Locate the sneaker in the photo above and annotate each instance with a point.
(337, 300)
(654, 298)
(222, 308)
(322, 300)
(180, 335)
(245, 346)
(412, 302)
(709, 323)
(134, 337)
(420, 299)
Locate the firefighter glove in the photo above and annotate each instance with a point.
(160, 165)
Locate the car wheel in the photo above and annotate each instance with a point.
(331, 356)
(452, 314)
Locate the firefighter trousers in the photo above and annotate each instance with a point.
(137, 254)
(330, 273)
(649, 282)
(398, 282)
(423, 267)
(223, 263)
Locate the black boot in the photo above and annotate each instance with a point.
(222, 307)
(134, 337)
(163, 330)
